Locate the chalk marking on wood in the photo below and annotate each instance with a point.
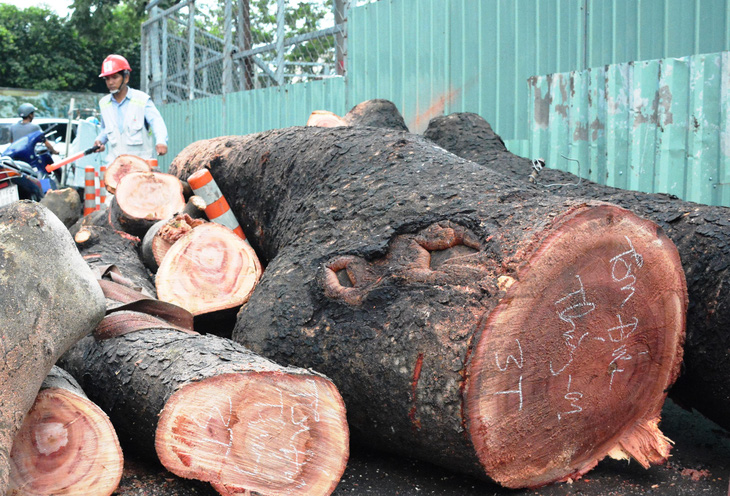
(576, 301)
(573, 397)
(628, 267)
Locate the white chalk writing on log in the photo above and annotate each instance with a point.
(297, 413)
(519, 365)
(622, 269)
(571, 307)
(573, 397)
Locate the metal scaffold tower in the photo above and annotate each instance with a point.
(198, 48)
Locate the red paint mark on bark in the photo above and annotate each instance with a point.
(414, 385)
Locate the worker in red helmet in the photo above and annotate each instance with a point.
(130, 122)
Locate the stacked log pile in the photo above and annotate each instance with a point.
(467, 316)
(467, 319)
(700, 232)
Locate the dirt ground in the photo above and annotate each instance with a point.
(700, 464)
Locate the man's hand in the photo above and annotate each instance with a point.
(100, 145)
(161, 149)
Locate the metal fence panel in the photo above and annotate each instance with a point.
(248, 112)
(658, 126)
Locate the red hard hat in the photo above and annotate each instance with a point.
(113, 64)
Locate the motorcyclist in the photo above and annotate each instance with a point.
(25, 126)
(131, 124)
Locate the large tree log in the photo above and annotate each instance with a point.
(700, 232)
(65, 204)
(50, 300)
(67, 444)
(216, 412)
(442, 297)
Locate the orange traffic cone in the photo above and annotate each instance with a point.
(217, 208)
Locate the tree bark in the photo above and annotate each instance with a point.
(376, 113)
(66, 445)
(50, 300)
(216, 412)
(103, 244)
(700, 232)
(468, 319)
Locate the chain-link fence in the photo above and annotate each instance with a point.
(199, 48)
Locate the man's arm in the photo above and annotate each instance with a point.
(157, 124)
(102, 138)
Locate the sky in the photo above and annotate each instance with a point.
(60, 7)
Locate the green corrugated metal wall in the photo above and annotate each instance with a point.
(433, 57)
(249, 112)
(654, 126)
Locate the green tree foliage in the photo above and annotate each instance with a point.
(40, 50)
(110, 26)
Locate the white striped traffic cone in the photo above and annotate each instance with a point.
(89, 190)
(102, 185)
(217, 208)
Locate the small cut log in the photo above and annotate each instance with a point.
(120, 167)
(213, 411)
(143, 198)
(207, 270)
(50, 300)
(163, 234)
(325, 118)
(468, 319)
(67, 445)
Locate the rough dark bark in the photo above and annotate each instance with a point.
(700, 232)
(67, 444)
(214, 411)
(50, 299)
(65, 204)
(102, 244)
(376, 113)
(392, 268)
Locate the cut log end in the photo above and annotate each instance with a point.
(67, 445)
(574, 362)
(120, 167)
(209, 269)
(151, 196)
(325, 118)
(267, 433)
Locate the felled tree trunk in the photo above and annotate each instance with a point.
(442, 298)
(66, 445)
(162, 235)
(214, 411)
(50, 300)
(102, 244)
(700, 232)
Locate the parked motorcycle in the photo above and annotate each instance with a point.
(23, 173)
